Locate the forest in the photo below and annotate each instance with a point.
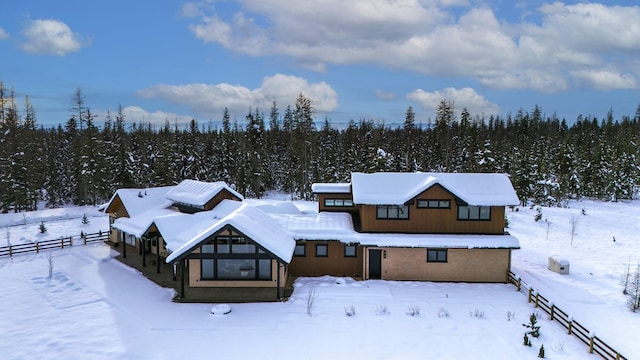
(84, 162)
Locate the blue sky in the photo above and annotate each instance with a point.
(364, 59)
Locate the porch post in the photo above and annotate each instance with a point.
(124, 244)
(182, 279)
(158, 254)
(144, 252)
(278, 278)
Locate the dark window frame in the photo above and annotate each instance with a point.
(437, 256)
(427, 204)
(326, 247)
(304, 250)
(464, 213)
(355, 250)
(333, 202)
(395, 207)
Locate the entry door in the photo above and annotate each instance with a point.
(375, 264)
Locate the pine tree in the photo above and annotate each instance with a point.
(42, 227)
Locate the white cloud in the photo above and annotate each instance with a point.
(3, 34)
(384, 95)
(139, 115)
(51, 37)
(210, 99)
(436, 37)
(461, 98)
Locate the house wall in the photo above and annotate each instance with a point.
(224, 194)
(464, 265)
(432, 220)
(322, 197)
(335, 264)
(195, 281)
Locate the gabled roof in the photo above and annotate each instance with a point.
(137, 201)
(139, 224)
(184, 234)
(198, 193)
(393, 188)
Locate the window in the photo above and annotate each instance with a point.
(234, 257)
(474, 212)
(300, 250)
(350, 250)
(337, 202)
(392, 212)
(434, 204)
(437, 255)
(322, 250)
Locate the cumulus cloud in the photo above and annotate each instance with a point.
(211, 99)
(550, 51)
(3, 34)
(461, 98)
(50, 37)
(139, 115)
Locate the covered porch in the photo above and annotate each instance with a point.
(149, 267)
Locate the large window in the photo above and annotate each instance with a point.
(228, 257)
(392, 212)
(337, 202)
(466, 212)
(437, 255)
(434, 204)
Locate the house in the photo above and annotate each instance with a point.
(415, 226)
(396, 226)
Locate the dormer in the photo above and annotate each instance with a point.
(192, 196)
(335, 197)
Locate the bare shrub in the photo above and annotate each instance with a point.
(311, 299)
(350, 310)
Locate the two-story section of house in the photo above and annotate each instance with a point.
(422, 226)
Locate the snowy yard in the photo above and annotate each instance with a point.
(95, 307)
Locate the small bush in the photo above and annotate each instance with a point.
(541, 352)
(350, 310)
(382, 310)
(85, 219)
(534, 328)
(526, 341)
(510, 315)
(559, 347)
(42, 227)
(413, 311)
(477, 313)
(538, 216)
(443, 313)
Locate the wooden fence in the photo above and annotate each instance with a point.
(60, 243)
(595, 344)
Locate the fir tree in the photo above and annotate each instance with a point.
(42, 228)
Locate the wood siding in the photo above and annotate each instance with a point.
(464, 265)
(224, 194)
(438, 221)
(335, 264)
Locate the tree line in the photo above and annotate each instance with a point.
(84, 163)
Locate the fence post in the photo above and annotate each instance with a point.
(537, 298)
(592, 336)
(570, 324)
(84, 239)
(553, 307)
(10, 250)
(530, 295)
(61, 242)
(519, 285)
(37, 248)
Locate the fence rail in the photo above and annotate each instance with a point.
(60, 243)
(595, 344)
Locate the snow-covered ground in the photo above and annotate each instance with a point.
(95, 307)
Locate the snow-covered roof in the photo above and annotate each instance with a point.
(323, 226)
(198, 193)
(137, 201)
(393, 188)
(252, 222)
(440, 241)
(332, 188)
(139, 224)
